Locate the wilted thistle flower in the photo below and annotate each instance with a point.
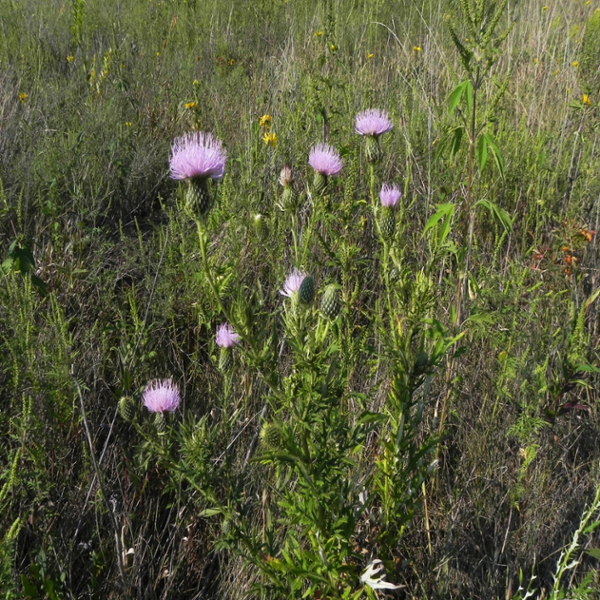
(286, 176)
(226, 339)
(326, 162)
(289, 197)
(293, 283)
(197, 157)
(162, 395)
(389, 196)
(372, 123)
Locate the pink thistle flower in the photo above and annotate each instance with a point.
(389, 195)
(162, 395)
(197, 154)
(226, 337)
(373, 122)
(325, 159)
(292, 283)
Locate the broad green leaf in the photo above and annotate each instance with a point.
(482, 151)
(456, 140)
(443, 211)
(498, 213)
(210, 512)
(456, 96)
(493, 147)
(469, 90)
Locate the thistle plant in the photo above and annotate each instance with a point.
(289, 196)
(389, 196)
(226, 339)
(160, 396)
(372, 124)
(326, 162)
(197, 157)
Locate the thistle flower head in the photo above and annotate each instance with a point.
(373, 122)
(162, 395)
(389, 195)
(286, 177)
(197, 154)
(226, 337)
(292, 283)
(325, 159)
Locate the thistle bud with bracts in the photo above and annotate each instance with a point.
(389, 196)
(330, 301)
(372, 123)
(326, 162)
(226, 339)
(289, 196)
(197, 157)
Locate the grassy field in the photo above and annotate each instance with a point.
(424, 394)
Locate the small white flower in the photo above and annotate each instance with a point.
(374, 577)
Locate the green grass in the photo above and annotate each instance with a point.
(104, 287)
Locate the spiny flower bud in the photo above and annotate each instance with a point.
(307, 290)
(289, 199)
(160, 423)
(260, 224)
(330, 301)
(387, 222)
(373, 150)
(225, 359)
(126, 408)
(197, 197)
(271, 435)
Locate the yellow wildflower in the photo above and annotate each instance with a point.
(318, 34)
(23, 97)
(195, 83)
(332, 46)
(575, 63)
(127, 123)
(270, 139)
(586, 100)
(370, 55)
(417, 48)
(232, 61)
(536, 61)
(190, 104)
(544, 8)
(158, 54)
(265, 121)
(70, 58)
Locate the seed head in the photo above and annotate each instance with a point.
(286, 177)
